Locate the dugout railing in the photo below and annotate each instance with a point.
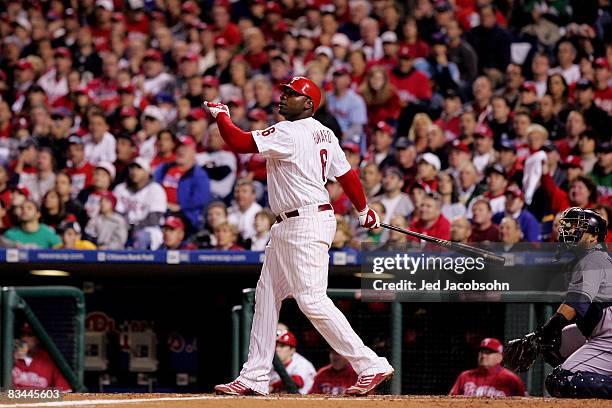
(56, 315)
(518, 320)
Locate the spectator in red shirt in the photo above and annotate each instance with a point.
(449, 120)
(165, 146)
(490, 379)
(334, 378)
(174, 235)
(582, 193)
(414, 46)
(483, 228)
(430, 219)
(33, 367)
(222, 23)
(412, 85)
(382, 101)
(79, 169)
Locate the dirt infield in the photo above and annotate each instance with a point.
(212, 401)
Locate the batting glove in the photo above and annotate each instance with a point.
(368, 218)
(216, 108)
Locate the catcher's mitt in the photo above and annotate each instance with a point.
(520, 354)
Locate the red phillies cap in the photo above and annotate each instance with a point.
(128, 112)
(129, 88)
(258, 114)
(222, 3)
(62, 52)
(384, 127)
(459, 145)
(24, 63)
(153, 54)
(492, 344)
(109, 195)
(197, 114)
(351, 147)
(572, 161)
(187, 141)
(287, 338)
(211, 81)
(221, 42)
(174, 223)
(600, 62)
(404, 52)
(190, 56)
(236, 101)
(273, 7)
(483, 130)
(528, 86)
(515, 191)
(189, 7)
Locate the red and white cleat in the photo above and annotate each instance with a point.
(367, 383)
(234, 388)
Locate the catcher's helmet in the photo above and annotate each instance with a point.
(288, 339)
(306, 87)
(575, 222)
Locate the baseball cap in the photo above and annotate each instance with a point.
(484, 131)
(142, 163)
(109, 195)
(109, 167)
(257, 114)
(495, 168)
(236, 102)
(61, 112)
(281, 57)
(384, 127)
(24, 63)
(197, 114)
(605, 147)
(439, 38)
(288, 339)
(388, 37)
(394, 170)
(153, 54)
(189, 7)
(492, 344)
(572, 161)
(322, 49)
(128, 112)
(600, 62)
(211, 81)
(174, 223)
(404, 52)
(515, 191)
(62, 52)
(431, 159)
(187, 141)
(273, 7)
(403, 143)
(75, 139)
(154, 112)
(340, 40)
(105, 4)
(584, 84)
(459, 145)
(351, 147)
(221, 42)
(69, 224)
(190, 56)
(507, 145)
(528, 86)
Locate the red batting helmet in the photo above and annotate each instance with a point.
(288, 339)
(306, 87)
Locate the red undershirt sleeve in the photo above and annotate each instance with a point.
(352, 187)
(237, 139)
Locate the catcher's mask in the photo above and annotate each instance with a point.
(575, 222)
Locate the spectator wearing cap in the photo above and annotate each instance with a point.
(223, 27)
(587, 148)
(390, 47)
(460, 230)
(187, 185)
(528, 97)
(128, 122)
(489, 379)
(429, 219)
(484, 153)
(412, 85)
(451, 207)
(155, 80)
(585, 103)
(510, 162)
(79, 169)
(449, 119)
(167, 105)
(24, 76)
(99, 143)
(602, 171)
(483, 228)
(348, 107)
(546, 117)
(274, 25)
(197, 123)
(153, 122)
(223, 57)
(353, 154)
(514, 207)
(70, 233)
(54, 81)
(405, 160)
(461, 53)
(174, 235)
(566, 55)
(43, 179)
(371, 178)
(340, 44)
(242, 212)
(220, 164)
(496, 182)
(103, 177)
(459, 153)
(537, 136)
(603, 90)
(428, 167)
(61, 123)
(381, 99)
(382, 145)
(491, 42)
(31, 233)
(437, 65)
(108, 229)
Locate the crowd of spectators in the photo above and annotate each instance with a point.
(471, 120)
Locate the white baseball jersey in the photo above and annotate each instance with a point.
(301, 367)
(300, 155)
(100, 152)
(136, 205)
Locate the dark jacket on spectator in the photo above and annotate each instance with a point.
(492, 47)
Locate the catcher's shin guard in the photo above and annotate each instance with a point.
(581, 384)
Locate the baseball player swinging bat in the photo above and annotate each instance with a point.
(453, 246)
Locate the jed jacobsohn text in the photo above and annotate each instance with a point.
(406, 285)
(412, 264)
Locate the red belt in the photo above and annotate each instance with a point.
(295, 213)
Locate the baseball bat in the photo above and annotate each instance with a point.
(453, 246)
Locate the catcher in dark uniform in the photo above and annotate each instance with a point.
(577, 340)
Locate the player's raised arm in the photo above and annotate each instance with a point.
(237, 139)
(354, 190)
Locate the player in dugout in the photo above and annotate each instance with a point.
(301, 154)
